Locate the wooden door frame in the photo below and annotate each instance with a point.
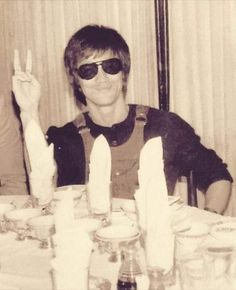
(162, 45)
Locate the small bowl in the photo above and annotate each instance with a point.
(43, 227)
(17, 220)
(114, 238)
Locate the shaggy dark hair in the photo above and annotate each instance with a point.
(90, 40)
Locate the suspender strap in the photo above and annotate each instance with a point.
(87, 138)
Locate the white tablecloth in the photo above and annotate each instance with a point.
(25, 266)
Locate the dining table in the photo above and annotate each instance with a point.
(26, 266)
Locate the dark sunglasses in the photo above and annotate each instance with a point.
(110, 66)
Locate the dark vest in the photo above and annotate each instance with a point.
(125, 157)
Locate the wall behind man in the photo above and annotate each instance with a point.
(203, 73)
(45, 26)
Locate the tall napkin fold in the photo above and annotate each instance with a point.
(41, 162)
(64, 211)
(70, 267)
(153, 207)
(99, 176)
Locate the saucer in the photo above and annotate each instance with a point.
(117, 232)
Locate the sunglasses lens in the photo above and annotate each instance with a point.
(88, 71)
(112, 66)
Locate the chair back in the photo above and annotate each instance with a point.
(191, 190)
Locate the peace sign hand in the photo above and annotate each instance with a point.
(25, 87)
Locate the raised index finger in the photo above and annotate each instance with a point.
(28, 66)
(16, 64)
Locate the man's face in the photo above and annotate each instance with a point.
(103, 89)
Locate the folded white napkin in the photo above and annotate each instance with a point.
(41, 162)
(35, 142)
(100, 176)
(153, 207)
(64, 211)
(70, 266)
(41, 177)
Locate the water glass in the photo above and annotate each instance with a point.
(221, 266)
(187, 242)
(100, 203)
(193, 273)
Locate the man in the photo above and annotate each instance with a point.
(97, 60)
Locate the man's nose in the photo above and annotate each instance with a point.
(101, 73)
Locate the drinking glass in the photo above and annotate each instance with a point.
(189, 241)
(43, 228)
(100, 203)
(221, 266)
(193, 272)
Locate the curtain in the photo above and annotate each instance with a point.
(202, 37)
(45, 26)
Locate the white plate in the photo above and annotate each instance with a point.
(117, 232)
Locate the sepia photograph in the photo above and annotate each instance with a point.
(117, 145)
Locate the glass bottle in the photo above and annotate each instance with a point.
(129, 270)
